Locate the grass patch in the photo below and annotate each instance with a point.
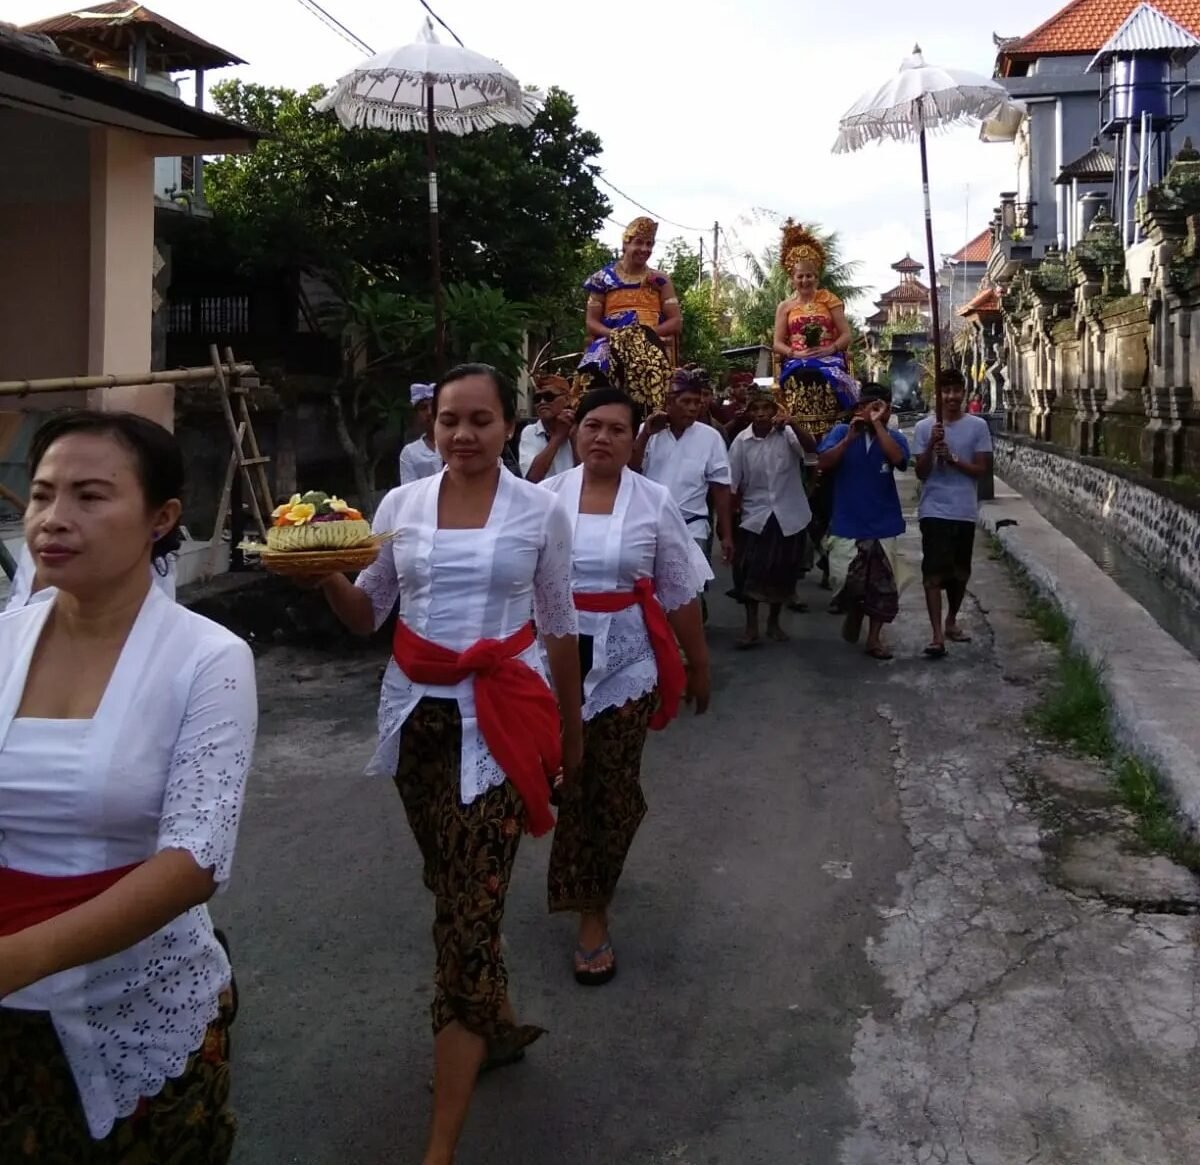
(1141, 787)
(1047, 616)
(1076, 712)
(1076, 709)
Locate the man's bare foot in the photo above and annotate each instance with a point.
(956, 634)
(747, 640)
(777, 634)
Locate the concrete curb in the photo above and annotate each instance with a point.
(1152, 681)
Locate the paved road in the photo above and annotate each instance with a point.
(843, 938)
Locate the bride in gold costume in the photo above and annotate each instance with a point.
(811, 337)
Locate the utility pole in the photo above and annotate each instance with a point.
(716, 252)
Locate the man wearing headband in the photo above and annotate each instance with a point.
(862, 459)
(690, 460)
(420, 458)
(546, 444)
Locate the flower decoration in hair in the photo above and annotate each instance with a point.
(800, 246)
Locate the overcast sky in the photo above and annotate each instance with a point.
(708, 109)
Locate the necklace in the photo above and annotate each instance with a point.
(626, 276)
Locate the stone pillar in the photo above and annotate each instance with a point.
(121, 273)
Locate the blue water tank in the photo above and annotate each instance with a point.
(1142, 84)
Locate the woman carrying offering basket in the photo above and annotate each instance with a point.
(469, 728)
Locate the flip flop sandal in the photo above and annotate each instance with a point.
(596, 978)
(957, 636)
(746, 644)
(935, 651)
(880, 653)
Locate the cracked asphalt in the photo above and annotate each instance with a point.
(870, 920)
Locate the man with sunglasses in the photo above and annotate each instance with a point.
(546, 444)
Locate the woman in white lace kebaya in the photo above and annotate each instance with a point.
(468, 726)
(637, 577)
(126, 728)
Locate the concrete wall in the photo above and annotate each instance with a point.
(1157, 528)
(44, 247)
(77, 243)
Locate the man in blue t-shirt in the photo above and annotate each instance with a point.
(862, 458)
(951, 458)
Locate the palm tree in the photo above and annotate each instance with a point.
(754, 306)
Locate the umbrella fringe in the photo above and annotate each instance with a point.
(935, 112)
(356, 110)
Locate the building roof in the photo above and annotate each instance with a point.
(908, 265)
(1096, 165)
(36, 76)
(978, 250)
(877, 320)
(1146, 30)
(1084, 27)
(104, 33)
(910, 292)
(988, 300)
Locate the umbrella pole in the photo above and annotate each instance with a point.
(435, 247)
(935, 310)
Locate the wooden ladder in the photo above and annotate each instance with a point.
(247, 457)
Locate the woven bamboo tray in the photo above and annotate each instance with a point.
(318, 563)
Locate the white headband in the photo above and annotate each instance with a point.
(420, 392)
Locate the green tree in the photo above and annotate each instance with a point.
(384, 335)
(683, 264)
(516, 204)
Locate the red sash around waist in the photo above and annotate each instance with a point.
(27, 899)
(672, 678)
(517, 712)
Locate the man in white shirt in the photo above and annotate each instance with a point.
(546, 444)
(767, 470)
(420, 458)
(690, 459)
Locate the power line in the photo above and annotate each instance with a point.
(442, 23)
(334, 25)
(641, 206)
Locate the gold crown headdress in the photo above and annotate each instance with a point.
(641, 228)
(800, 246)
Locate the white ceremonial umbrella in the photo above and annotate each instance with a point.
(438, 88)
(918, 98)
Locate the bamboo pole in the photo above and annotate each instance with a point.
(127, 380)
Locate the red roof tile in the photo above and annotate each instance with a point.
(1084, 26)
(987, 300)
(914, 292)
(978, 250)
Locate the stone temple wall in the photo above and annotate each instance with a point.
(1105, 369)
(1155, 521)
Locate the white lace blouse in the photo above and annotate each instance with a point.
(456, 587)
(644, 537)
(162, 765)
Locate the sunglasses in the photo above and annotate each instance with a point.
(545, 398)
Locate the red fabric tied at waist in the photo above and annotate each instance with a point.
(27, 899)
(672, 678)
(517, 712)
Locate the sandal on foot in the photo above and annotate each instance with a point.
(586, 978)
(958, 636)
(746, 644)
(880, 653)
(935, 651)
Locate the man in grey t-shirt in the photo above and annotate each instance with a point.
(951, 458)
